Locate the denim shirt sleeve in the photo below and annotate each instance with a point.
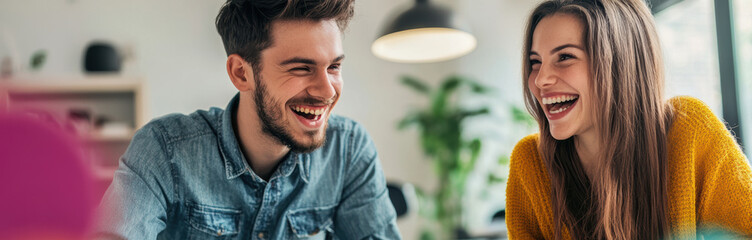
(365, 211)
(134, 206)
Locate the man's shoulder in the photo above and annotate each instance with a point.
(177, 126)
(156, 143)
(343, 125)
(349, 137)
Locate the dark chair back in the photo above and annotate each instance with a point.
(399, 201)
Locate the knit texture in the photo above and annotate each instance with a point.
(710, 181)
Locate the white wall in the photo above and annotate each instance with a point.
(174, 45)
(497, 62)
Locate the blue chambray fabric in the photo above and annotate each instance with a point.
(184, 177)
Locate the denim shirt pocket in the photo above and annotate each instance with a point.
(309, 222)
(220, 222)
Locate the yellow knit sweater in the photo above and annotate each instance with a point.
(710, 181)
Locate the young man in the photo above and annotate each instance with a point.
(275, 164)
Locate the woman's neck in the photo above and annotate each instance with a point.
(588, 146)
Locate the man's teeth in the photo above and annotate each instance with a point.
(552, 100)
(308, 110)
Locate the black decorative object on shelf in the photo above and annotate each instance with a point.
(101, 57)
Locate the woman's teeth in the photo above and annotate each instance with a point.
(559, 110)
(559, 99)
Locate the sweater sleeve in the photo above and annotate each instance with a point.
(724, 175)
(520, 215)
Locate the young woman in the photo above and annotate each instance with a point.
(613, 159)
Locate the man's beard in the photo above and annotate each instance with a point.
(273, 123)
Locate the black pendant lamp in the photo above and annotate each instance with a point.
(424, 33)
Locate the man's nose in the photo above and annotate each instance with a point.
(323, 86)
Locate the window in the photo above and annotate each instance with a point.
(693, 43)
(742, 23)
(691, 25)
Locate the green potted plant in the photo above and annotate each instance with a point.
(453, 155)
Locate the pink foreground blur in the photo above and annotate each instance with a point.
(46, 186)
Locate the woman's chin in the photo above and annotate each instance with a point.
(560, 135)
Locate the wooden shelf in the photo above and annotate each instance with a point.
(104, 173)
(98, 137)
(78, 85)
(71, 85)
(119, 99)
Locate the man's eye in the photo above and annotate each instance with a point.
(300, 69)
(334, 67)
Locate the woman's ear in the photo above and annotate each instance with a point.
(240, 72)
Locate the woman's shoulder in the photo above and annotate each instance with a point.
(525, 150)
(709, 173)
(693, 117)
(699, 137)
(690, 110)
(694, 122)
(526, 146)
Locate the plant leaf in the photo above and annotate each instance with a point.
(439, 104)
(471, 113)
(477, 87)
(410, 119)
(416, 84)
(493, 179)
(504, 160)
(522, 116)
(451, 84)
(475, 147)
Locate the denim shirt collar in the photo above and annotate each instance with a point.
(235, 163)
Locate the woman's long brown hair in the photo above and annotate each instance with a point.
(627, 198)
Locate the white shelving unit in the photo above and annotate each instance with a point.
(81, 85)
(116, 98)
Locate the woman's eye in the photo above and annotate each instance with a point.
(535, 63)
(565, 57)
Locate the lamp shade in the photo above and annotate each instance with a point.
(424, 33)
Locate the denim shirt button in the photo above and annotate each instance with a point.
(219, 232)
(261, 235)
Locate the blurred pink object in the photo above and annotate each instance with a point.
(4, 100)
(46, 186)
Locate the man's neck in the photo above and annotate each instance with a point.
(262, 151)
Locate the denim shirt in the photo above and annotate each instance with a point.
(184, 177)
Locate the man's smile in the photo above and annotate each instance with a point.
(311, 117)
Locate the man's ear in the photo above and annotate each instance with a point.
(240, 73)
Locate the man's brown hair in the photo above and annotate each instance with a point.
(245, 25)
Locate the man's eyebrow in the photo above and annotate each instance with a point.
(559, 48)
(340, 58)
(298, 60)
(307, 60)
